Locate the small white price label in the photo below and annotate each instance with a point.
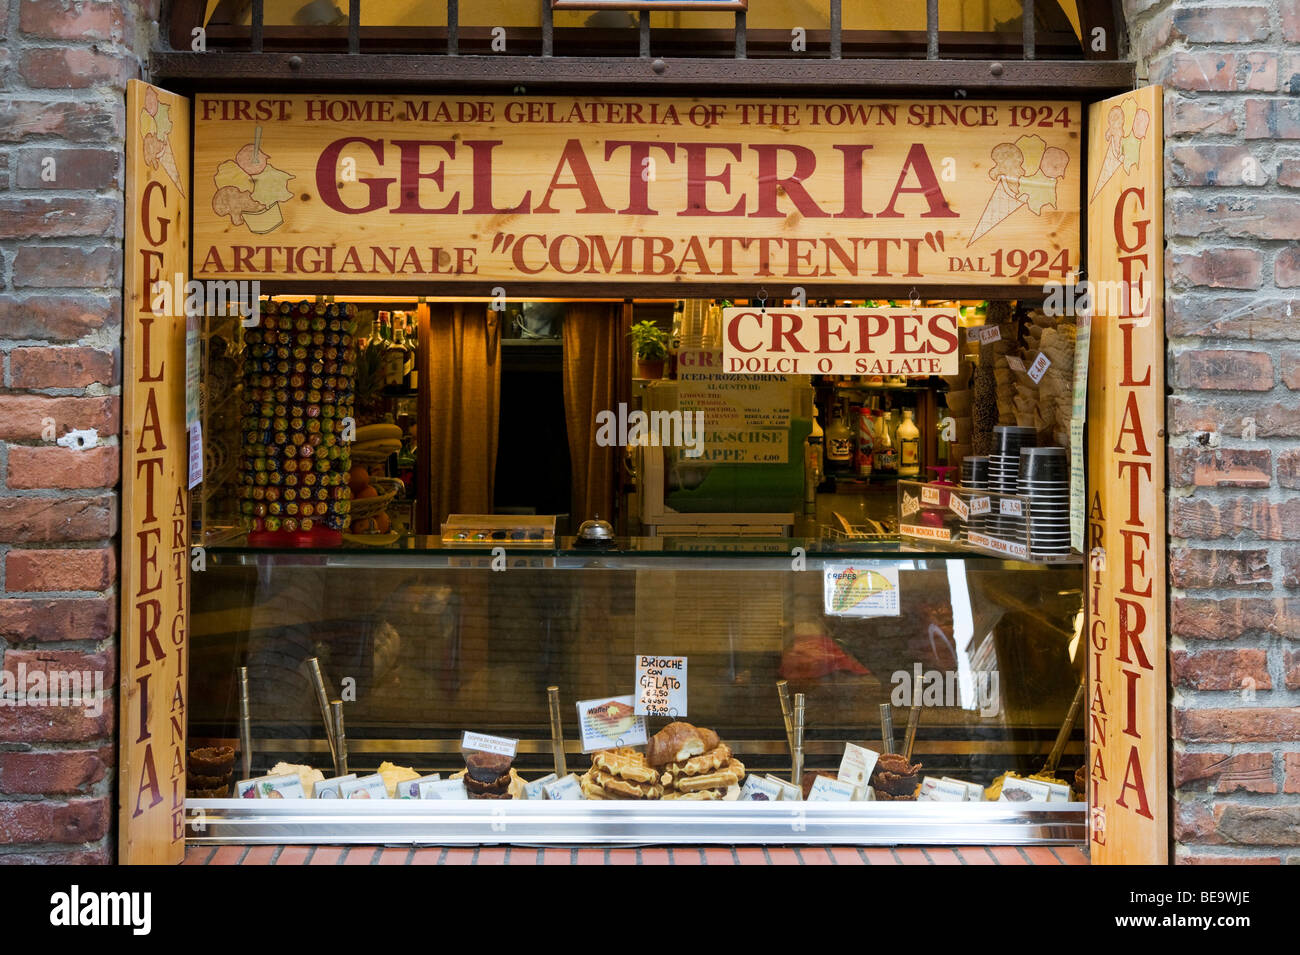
(930, 495)
(1010, 506)
(501, 745)
(1015, 364)
(958, 506)
(985, 334)
(979, 505)
(1039, 368)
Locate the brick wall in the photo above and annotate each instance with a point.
(1231, 73)
(63, 72)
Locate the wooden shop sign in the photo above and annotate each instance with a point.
(531, 188)
(153, 712)
(1127, 732)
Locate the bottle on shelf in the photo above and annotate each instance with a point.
(866, 439)
(394, 354)
(885, 461)
(412, 345)
(909, 446)
(839, 442)
(812, 469)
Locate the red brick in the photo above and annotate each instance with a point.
(1286, 268)
(1225, 772)
(1258, 825)
(52, 266)
(1255, 319)
(1196, 71)
(1197, 518)
(1288, 173)
(1223, 370)
(1246, 217)
(101, 856)
(1232, 617)
(1215, 166)
(76, 68)
(1272, 119)
(76, 820)
(1241, 24)
(37, 570)
(1290, 10)
(60, 771)
(56, 20)
(1241, 569)
(33, 620)
(1193, 822)
(1220, 670)
(73, 168)
(71, 367)
(1261, 72)
(1197, 858)
(58, 318)
(1253, 724)
(1291, 663)
(61, 661)
(95, 122)
(56, 724)
(1227, 415)
(1288, 468)
(24, 417)
(55, 467)
(1219, 467)
(1184, 116)
(1218, 268)
(41, 217)
(51, 520)
(1291, 777)
(1290, 567)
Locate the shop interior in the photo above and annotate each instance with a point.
(499, 436)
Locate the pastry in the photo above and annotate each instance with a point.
(729, 775)
(487, 767)
(512, 788)
(626, 763)
(895, 776)
(212, 760)
(709, 762)
(499, 785)
(677, 742)
(615, 786)
(306, 775)
(710, 794)
(393, 775)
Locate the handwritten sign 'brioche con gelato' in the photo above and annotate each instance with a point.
(661, 686)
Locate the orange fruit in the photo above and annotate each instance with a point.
(365, 492)
(358, 476)
(382, 523)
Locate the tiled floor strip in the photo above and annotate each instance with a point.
(657, 855)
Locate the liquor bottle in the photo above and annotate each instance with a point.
(394, 356)
(839, 443)
(909, 446)
(812, 466)
(866, 439)
(885, 460)
(413, 346)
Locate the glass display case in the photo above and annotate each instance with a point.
(977, 659)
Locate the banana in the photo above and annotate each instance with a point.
(378, 432)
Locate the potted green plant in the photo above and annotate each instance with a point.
(650, 345)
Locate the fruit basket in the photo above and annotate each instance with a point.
(387, 488)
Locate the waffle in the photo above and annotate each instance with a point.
(615, 786)
(590, 789)
(698, 795)
(626, 763)
(710, 762)
(729, 775)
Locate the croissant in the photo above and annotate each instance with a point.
(677, 742)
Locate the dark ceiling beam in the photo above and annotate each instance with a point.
(856, 77)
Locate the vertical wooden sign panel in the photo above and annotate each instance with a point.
(155, 501)
(1127, 731)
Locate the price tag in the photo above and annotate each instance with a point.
(759, 789)
(1039, 368)
(661, 686)
(958, 506)
(984, 334)
(857, 765)
(979, 505)
(789, 791)
(501, 745)
(930, 495)
(825, 789)
(444, 789)
(925, 531)
(1010, 506)
(1015, 364)
(566, 788)
(610, 722)
(534, 789)
(410, 788)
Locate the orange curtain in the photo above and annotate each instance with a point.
(594, 350)
(464, 384)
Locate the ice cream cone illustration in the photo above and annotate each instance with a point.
(1122, 149)
(1027, 173)
(155, 132)
(250, 189)
(1001, 204)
